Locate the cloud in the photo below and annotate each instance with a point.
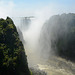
(6, 8)
(10, 8)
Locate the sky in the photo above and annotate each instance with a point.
(35, 7)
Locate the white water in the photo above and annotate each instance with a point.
(58, 66)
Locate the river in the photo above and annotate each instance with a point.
(57, 66)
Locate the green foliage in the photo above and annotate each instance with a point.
(31, 72)
(12, 56)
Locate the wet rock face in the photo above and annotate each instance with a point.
(13, 59)
(58, 36)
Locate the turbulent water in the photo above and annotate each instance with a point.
(58, 66)
(52, 66)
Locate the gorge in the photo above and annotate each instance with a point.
(50, 43)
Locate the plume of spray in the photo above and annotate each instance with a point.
(32, 33)
(32, 36)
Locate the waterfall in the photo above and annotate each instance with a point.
(29, 31)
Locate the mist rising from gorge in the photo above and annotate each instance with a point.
(40, 36)
(32, 31)
(47, 31)
(29, 30)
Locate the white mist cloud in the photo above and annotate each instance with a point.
(41, 16)
(9, 8)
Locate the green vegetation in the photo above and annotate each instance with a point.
(31, 72)
(13, 60)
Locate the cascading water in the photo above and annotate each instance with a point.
(29, 31)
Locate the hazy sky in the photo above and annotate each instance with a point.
(32, 7)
